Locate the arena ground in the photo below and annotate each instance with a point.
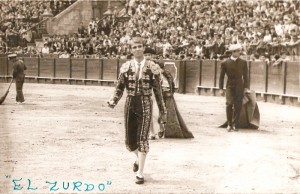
(64, 139)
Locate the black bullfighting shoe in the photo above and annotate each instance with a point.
(139, 180)
(135, 167)
(161, 134)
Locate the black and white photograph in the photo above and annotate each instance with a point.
(149, 96)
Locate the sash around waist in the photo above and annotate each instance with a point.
(233, 79)
(138, 94)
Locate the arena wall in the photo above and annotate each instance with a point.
(279, 84)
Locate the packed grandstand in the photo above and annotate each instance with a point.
(174, 29)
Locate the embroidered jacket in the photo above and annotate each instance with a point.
(150, 80)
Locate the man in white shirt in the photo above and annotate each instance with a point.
(166, 47)
(45, 49)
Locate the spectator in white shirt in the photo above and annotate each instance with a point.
(166, 47)
(65, 54)
(45, 49)
(267, 37)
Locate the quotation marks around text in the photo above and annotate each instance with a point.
(19, 184)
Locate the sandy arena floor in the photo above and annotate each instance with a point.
(65, 140)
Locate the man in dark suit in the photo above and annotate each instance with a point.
(219, 47)
(236, 70)
(81, 30)
(18, 74)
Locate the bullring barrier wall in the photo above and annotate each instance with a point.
(279, 84)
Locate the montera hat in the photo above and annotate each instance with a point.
(234, 47)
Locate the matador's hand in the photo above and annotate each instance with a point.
(111, 104)
(246, 90)
(162, 118)
(222, 93)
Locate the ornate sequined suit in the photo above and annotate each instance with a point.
(138, 106)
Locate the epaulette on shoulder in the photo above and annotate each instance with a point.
(155, 68)
(125, 67)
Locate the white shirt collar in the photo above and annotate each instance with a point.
(233, 58)
(136, 63)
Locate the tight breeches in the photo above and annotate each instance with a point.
(138, 114)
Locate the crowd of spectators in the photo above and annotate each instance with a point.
(189, 29)
(17, 16)
(204, 29)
